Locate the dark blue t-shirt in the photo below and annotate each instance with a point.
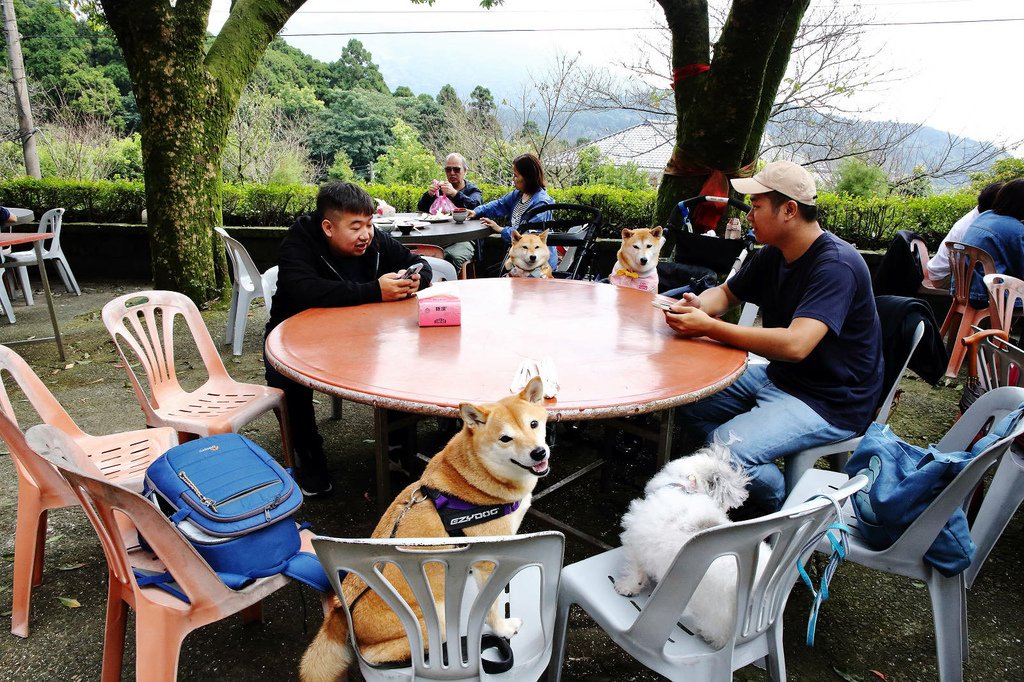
(4, 215)
(841, 379)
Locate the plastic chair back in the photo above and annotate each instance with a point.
(1004, 292)
(964, 261)
(52, 221)
(270, 285)
(528, 564)
(143, 323)
(572, 226)
(247, 275)
(442, 270)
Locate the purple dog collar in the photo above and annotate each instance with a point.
(457, 514)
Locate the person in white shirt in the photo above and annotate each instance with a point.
(938, 265)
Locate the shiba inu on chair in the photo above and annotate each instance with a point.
(528, 256)
(637, 264)
(480, 484)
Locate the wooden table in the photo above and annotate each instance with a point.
(441, 234)
(36, 239)
(614, 354)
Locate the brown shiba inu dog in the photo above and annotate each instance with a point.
(528, 256)
(495, 459)
(637, 265)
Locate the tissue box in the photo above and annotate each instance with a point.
(440, 311)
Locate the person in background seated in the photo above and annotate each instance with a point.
(528, 179)
(6, 216)
(333, 257)
(464, 194)
(938, 265)
(820, 333)
(1000, 233)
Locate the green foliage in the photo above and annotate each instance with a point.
(406, 161)
(355, 70)
(857, 178)
(357, 122)
(869, 223)
(1003, 170)
(403, 91)
(341, 169)
(593, 169)
(448, 97)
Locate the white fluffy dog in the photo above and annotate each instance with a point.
(687, 496)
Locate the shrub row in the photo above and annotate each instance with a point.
(869, 223)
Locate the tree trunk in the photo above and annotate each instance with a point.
(186, 98)
(722, 112)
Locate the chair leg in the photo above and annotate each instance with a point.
(6, 307)
(26, 287)
(158, 638)
(776, 654)
(253, 614)
(241, 316)
(969, 317)
(947, 614)
(558, 638)
(1001, 502)
(796, 466)
(69, 277)
(29, 540)
(335, 408)
(113, 634)
(229, 328)
(286, 442)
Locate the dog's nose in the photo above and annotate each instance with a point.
(643, 261)
(538, 454)
(533, 259)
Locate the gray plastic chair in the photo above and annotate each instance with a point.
(50, 222)
(906, 556)
(996, 362)
(798, 464)
(648, 627)
(248, 285)
(442, 270)
(525, 577)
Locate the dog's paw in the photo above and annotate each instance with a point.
(628, 588)
(507, 627)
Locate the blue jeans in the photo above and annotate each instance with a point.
(764, 422)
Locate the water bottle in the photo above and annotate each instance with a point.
(732, 229)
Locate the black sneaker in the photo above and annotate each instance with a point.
(314, 486)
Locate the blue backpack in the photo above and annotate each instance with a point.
(235, 504)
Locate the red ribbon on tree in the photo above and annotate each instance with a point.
(687, 71)
(707, 215)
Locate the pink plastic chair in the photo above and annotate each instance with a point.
(920, 252)
(120, 457)
(144, 322)
(963, 261)
(161, 620)
(1004, 292)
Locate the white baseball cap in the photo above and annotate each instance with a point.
(784, 177)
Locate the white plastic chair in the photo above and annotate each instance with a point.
(1004, 292)
(649, 626)
(997, 362)
(906, 556)
(799, 463)
(50, 222)
(442, 270)
(248, 285)
(525, 578)
(6, 307)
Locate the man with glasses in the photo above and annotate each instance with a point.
(463, 194)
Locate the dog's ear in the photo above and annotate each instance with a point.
(626, 233)
(473, 415)
(656, 232)
(544, 237)
(533, 392)
(516, 237)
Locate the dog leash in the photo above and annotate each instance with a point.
(840, 548)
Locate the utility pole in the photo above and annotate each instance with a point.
(25, 124)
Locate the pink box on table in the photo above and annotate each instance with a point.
(444, 310)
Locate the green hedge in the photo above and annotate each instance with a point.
(869, 223)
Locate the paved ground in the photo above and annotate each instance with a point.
(873, 622)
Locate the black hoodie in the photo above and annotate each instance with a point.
(310, 275)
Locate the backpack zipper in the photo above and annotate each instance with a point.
(244, 493)
(192, 486)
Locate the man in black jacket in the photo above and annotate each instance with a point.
(333, 257)
(463, 194)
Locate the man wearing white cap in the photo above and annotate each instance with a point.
(820, 332)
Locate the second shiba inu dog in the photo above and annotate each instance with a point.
(637, 265)
(493, 465)
(528, 256)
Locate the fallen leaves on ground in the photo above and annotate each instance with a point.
(69, 602)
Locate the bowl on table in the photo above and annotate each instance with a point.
(459, 215)
(404, 227)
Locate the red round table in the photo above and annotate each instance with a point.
(613, 352)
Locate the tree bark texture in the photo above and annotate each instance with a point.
(722, 112)
(186, 97)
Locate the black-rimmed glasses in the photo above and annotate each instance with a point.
(453, 169)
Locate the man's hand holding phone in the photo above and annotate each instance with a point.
(396, 286)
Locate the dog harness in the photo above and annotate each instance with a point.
(516, 271)
(457, 514)
(632, 280)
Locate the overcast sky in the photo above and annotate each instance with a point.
(963, 77)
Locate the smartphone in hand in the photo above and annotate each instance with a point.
(660, 303)
(412, 270)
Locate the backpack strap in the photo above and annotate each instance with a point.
(165, 581)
